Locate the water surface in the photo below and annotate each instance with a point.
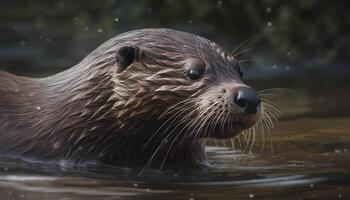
(310, 160)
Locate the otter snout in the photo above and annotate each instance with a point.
(247, 99)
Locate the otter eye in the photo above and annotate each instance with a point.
(194, 74)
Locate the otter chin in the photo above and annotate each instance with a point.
(145, 98)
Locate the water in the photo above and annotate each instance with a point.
(310, 160)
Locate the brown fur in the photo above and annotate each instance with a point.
(91, 112)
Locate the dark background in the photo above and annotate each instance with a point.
(300, 45)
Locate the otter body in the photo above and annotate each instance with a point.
(143, 98)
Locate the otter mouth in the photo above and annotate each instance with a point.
(227, 130)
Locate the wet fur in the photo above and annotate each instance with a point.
(92, 113)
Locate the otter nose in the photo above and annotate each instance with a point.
(247, 99)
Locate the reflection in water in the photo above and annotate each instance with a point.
(310, 161)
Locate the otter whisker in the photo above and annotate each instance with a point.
(226, 117)
(174, 108)
(271, 113)
(205, 124)
(267, 94)
(219, 121)
(176, 136)
(272, 89)
(239, 46)
(201, 125)
(269, 134)
(247, 139)
(187, 126)
(170, 147)
(271, 108)
(243, 61)
(264, 100)
(165, 140)
(263, 128)
(194, 121)
(208, 123)
(243, 51)
(268, 119)
(275, 108)
(262, 134)
(240, 142)
(202, 121)
(254, 138)
(184, 119)
(172, 119)
(214, 121)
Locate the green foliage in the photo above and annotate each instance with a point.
(57, 34)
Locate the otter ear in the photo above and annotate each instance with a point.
(125, 56)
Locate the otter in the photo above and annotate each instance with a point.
(143, 98)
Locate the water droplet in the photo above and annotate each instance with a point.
(99, 30)
(269, 24)
(340, 196)
(268, 9)
(288, 53)
(87, 28)
(274, 66)
(312, 185)
(116, 19)
(287, 68)
(251, 195)
(23, 43)
(190, 21)
(219, 4)
(136, 185)
(38, 108)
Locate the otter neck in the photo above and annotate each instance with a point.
(70, 117)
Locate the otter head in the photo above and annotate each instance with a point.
(180, 85)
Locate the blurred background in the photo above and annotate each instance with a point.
(299, 45)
